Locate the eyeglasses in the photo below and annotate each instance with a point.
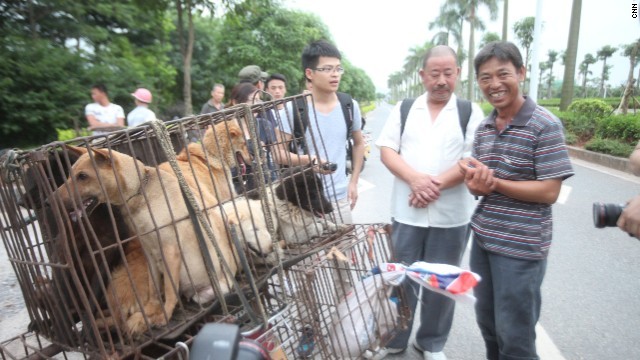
(330, 69)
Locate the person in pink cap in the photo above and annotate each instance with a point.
(141, 113)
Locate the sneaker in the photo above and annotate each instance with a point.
(381, 353)
(307, 344)
(428, 355)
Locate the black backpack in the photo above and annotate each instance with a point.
(301, 120)
(464, 113)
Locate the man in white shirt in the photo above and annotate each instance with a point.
(141, 113)
(431, 206)
(102, 113)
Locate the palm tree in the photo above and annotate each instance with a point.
(571, 56)
(602, 54)
(584, 70)
(524, 33)
(553, 56)
(544, 66)
(451, 21)
(631, 51)
(487, 38)
(470, 9)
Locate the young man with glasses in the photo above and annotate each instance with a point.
(327, 128)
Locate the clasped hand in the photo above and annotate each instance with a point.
(480, 180)
(424, 190)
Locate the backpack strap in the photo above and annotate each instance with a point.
(404, 112)
(464, 114)
(346, 103)
(300, 124)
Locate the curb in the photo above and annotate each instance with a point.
(613, 162)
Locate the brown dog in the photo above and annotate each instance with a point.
(153, 207)
(207, 166)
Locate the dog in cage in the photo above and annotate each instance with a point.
(153, 206)
(301, 205)
(207, 166)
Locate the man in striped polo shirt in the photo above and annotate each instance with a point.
(518, 164)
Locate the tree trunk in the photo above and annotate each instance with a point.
(604, 70)
(472, 18)
(571, 54)
(628, 90)
(584, 82)
(549, 82)
(186, 50)
(505, 20)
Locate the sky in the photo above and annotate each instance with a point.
(377, 38)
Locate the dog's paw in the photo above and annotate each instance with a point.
(135, 325)
(333, 227)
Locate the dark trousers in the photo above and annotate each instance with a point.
(433, 245)
(508, 303)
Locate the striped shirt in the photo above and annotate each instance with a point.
(531, 148)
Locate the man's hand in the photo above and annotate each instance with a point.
(479, 179)
(353, 194)
(424, 189)
(629, 220)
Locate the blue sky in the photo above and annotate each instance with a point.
(377, 38)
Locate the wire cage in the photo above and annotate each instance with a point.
(340, 309)
(127, 242)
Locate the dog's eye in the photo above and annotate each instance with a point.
(82, 176)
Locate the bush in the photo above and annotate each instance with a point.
(69, 134)
(609, 146)
(570, 138)
(591, 108)
(486, 107)
(584, 116)
(625, 128)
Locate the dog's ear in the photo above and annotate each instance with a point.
(102, 157)
(76, 150)
(234, 128)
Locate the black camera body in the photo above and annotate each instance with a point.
(606, 215)
(224, 342)
(329, 166)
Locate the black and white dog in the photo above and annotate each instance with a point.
(300, 205)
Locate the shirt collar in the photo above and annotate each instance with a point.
(521, 118)
(422, 101)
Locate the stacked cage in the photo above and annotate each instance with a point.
(127, 243)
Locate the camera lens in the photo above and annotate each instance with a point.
(606, 215)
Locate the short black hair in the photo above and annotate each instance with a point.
(501, 50)
(101, 87)
(276, 77)
(314, 50)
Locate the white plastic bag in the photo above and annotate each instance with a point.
(366, 315)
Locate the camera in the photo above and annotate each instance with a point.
(224, 342)
(606, 215)
(329, 166)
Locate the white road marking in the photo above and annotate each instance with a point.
(364, 185)
(547, 350)
(565, 190)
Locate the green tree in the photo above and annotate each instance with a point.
(552, 57)
(470, 9)
(584, 70)
(487, 38)
(523, 30)
(603, 54)
(631, 51)
(51, 52)
(451, 20)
